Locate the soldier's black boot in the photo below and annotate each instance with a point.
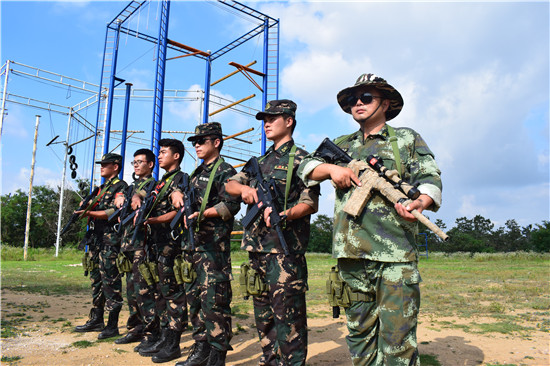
(111, 330)
(155, 347)
(171, 349)
(94, 324)
(216, 357)
(199, 355)
(148, 341)
(130, 337)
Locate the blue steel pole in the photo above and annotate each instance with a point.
(207, 90)
(125, 127)
(266, 70)
(111, 92)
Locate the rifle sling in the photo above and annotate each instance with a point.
(208, 188)
(162, 192)
(393, 140)
(99, 195)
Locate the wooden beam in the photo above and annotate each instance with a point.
(232, 104)
(246, 68)
(231, 74)
(188, 48)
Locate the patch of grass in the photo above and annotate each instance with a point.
(82, 344)
(120, 351)
(429, 360)
(501, 327)
(11, 358)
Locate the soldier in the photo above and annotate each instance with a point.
(280, 309)
(209, 294)
(171, 299)
(376, 251)
(105, 277)
(143, 320)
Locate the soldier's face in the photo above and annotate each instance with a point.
(108, 170)
(166, 157)
(276, 127)
(207, 149)
(142, 167)
(371, 108)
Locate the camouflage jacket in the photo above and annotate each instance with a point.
(129, 229)
(379, 233)
(214, 233)
(103, 230)
(275, 164)
(160, 233)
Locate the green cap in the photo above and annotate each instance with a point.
(110, 158)
(275, 107)
(207, 129)
(387, 91)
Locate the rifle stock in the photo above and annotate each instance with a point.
(84, 206)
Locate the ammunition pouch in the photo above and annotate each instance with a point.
(88, 264)
(184, 271)
(250, 281)
(149, 272)
(339, 293)
(123, 263)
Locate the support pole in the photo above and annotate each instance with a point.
(125, 127)
(28, 222)
(4, 95)
(206, 105)
(62, 193)
(264, 95)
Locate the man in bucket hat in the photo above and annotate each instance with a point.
(279, 299)
(376, 251)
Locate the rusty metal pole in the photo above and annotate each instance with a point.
(28, 222)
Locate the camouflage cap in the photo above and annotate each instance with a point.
(388, 91)
(110, 158)
(207, 129)
(276, 107)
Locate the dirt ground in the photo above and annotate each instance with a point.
(47, 339)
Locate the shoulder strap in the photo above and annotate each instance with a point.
(208, 188)
(396, 155)
(289, 172)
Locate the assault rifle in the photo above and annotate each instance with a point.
(267, 195)
(188, 208)
(124, 211)
(375, 176)
(145, 209)
(84, 206)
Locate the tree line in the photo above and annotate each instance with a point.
(476, 235)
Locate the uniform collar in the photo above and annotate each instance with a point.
(207, 167)
(283, 149)
(170, 173)
(383, 134)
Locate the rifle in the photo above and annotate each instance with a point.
(189, 203)
(375, 176)
(144, 210)
(122, 212)
(84, 206)
(267, 195)
(128, 193)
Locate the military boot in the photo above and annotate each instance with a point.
(148, 341)
(130, 337)
(111, 329)
(171, 349)
(216, 357)
(155, 347)
(199, 355)
(95, 322)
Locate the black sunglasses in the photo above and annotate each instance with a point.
(201, 141)
(366, 98)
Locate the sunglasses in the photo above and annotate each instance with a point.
(201, 141)
(137, 162)
(365, 98)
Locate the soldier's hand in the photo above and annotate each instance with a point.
(192, 216)
(177, 199)
(249, 195)
(119, 201)
(343, 177)
(136, 202)
(419, 204)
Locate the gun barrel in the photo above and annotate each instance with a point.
(430, 225)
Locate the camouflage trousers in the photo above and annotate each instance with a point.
(98, 298)
(171, 301)
(143, 317)
(280, 312)
(382, 331)
(209, 298)
(111, 279)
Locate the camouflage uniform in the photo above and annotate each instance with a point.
(280, 312)
(107, 287)
(376, 251)
(172, 296)
(143, 318)
(209, 296)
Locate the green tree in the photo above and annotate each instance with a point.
(320, 239)
(540, 237)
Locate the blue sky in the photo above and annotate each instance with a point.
(474, 77)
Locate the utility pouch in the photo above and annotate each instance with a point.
(243, 280)
(146, 274)
(178, 261)
(85, 263)
(188, 273)
(154, 269)
(123, 263)
(339, 293)
(255, 285)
